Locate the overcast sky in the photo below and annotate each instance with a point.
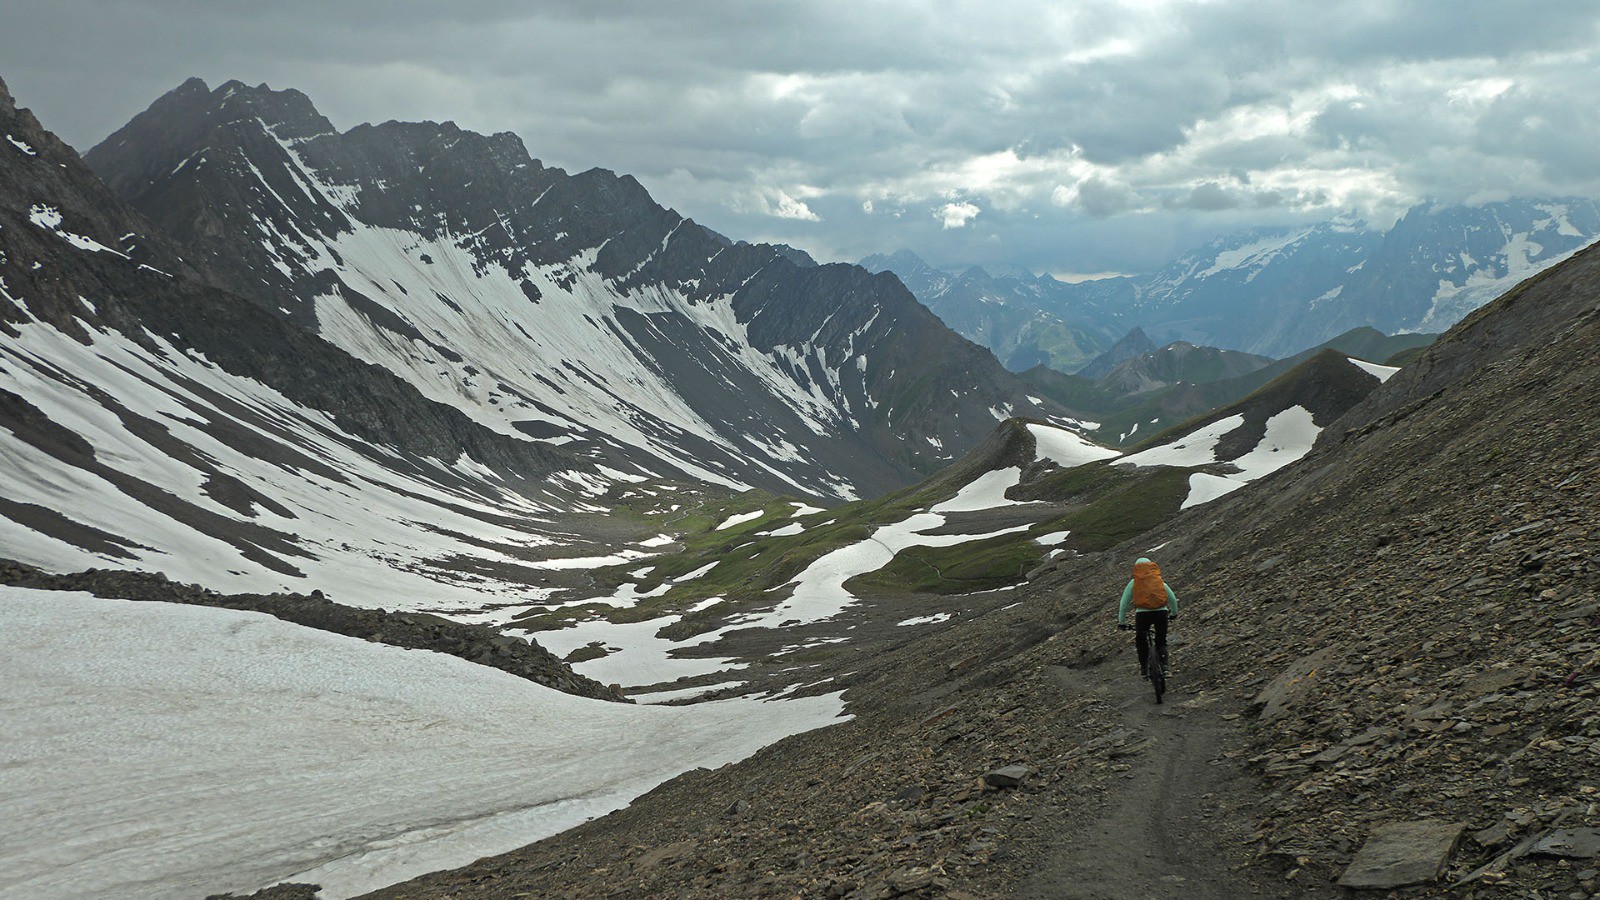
(1070, 137)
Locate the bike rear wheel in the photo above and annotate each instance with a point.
(1158, 676)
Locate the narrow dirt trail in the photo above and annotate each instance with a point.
(1164, 831)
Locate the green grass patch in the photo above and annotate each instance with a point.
(961, 569)
(1079, 484)
(1128, 511)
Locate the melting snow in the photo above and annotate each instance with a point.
(49, 218)
(1196, 449)
(348, 518)
(157, 765)
(697, 573)
(1066, 448)
(1382, 373)
(740, 519)
(1289, 436)
(927, 620)
(638, 657)
(987, 491)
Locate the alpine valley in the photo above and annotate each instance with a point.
(386, 513)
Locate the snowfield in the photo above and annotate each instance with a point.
(156, 750)
(1066, 448)
(340, 515)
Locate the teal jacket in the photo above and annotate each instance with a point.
(1127, 603)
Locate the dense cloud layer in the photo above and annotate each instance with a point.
(1084, 137)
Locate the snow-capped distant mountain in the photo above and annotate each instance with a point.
(1025, 319)
(1439, 263)
(1248, 291)
(1279, 291)
(569, 310)
(1273, 291)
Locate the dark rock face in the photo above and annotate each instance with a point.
(1403, 853)
(567, 308)
(414, 631)
(141, 285)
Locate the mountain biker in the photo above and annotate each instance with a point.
(1154, 605)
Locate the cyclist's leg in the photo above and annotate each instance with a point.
(1141, 640)
(1159, 620)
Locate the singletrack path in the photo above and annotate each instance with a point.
(1165, 831)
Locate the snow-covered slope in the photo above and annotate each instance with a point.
(148, 421)
(565, 309)
(262, 751)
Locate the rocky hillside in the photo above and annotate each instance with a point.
(1399, 627)
(1130, 346)
(562, 309)
(1180, 361)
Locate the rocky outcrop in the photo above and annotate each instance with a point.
(480, 644)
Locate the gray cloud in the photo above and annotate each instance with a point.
(1091, 136)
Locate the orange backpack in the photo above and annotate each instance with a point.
(1149, 591)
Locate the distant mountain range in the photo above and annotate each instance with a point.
(1272, 291)
(1165, 387)
(1027, 320)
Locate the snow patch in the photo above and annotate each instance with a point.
(157, 765)
(1382, 373)
(739, 519)
(1066, 448)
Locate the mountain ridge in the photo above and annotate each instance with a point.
(386, 240)
(1277, 291)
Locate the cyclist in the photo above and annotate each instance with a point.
(1154, 605)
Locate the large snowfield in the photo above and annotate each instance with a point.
(154, 750)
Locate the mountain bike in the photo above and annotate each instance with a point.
(1156, 665)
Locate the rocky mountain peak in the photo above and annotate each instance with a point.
(1133, 345)
(461, 263)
